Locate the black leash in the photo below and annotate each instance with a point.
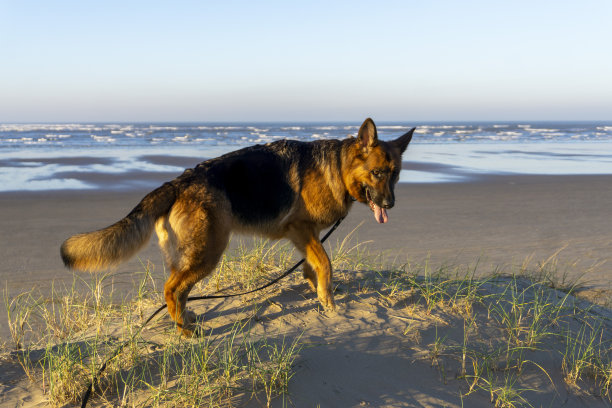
(121, 347)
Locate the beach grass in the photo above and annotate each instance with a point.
(495, 334)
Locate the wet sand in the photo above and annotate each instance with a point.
(495, 221)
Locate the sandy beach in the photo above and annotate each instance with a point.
(497, 223)
(493, 221)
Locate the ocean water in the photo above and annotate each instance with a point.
(124, 155)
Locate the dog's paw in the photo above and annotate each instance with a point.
(189, 327)
(327, 300)
(189, 317)
(187, 333)
(193, 331)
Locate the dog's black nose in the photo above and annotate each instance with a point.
(388, 203)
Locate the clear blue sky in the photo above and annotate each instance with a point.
(312, 60)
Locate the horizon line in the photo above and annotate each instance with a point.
(259, 121)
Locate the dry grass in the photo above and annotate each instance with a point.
(61, 340)
(510, 329)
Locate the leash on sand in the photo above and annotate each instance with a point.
(119, 349)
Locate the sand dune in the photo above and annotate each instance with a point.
(376, 350)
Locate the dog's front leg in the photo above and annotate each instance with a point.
(306, 239)
(318, 259)
(311, 276)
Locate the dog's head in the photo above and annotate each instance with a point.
(374, 169)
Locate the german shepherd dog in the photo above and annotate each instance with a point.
(285, 189)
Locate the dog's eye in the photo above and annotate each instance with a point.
(376, 173)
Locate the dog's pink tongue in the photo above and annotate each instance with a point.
(380, 214)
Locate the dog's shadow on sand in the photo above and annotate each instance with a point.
(292, 301)
(220, 316)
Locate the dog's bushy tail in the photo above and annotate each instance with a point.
(109, 246)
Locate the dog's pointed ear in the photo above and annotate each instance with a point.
(367, 136)
(401, 142)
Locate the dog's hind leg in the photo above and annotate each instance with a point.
(193, 242)
(176, 291)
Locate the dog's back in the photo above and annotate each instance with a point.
(256, 180)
